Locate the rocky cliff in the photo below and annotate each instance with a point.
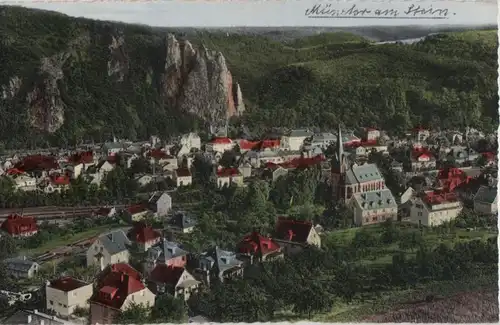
(199, 82)
(94, 76)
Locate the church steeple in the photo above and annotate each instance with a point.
(339, 165)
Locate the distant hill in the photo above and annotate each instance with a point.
(66, 79)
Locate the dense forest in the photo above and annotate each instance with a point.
(448, 80)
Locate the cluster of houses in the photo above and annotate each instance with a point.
(168, 268)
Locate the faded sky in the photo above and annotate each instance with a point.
(217, 13)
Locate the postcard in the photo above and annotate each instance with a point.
(216, 161)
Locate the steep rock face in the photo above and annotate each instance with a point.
(240, 105)
(10, 90)
(118, 64)
(45, 106)
(199, 82)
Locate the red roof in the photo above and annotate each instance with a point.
(221, 141)
(451, 178)
(420, 152)
(183, 172)
(228, 172)
(103, 212)
(418, 128)
(117, 282)
(259, 145)
(84, 157)
(37, 162)
(248, 145)
(489, 156)
(255, 244)
(60, 180)
(138, 208)
(142, 233)
(18, 225)
(435, 198)
(14, 171)
(67, 284)
(166, 274)
(300, 162)
(159, 154)
(293, 230)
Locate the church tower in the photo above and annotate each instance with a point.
(339, 168)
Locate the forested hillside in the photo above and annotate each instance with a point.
(108, 77)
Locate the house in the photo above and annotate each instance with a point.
(112, 148)
(105, 212)
(374, 207)
(145, 236)
(320, 140)
(24, 183)
(462, 154)
(34, 317)
(277, 172)
(104, 167)
(173, 280)
(109, 249)
(228, 176)
(21, 267)
(119, 287)
(294, 235)
(167, 253)
(66, 294)
(220, 144)
(20, 226)
(434, 208)
(258, 248)
(421, 158)
(57, 183)
(294, 140)
(160, 203)
(486, 200)
(245, 170)
(217, 264)
(183, 177)
(182, 222)
(420, 134)
(191, 141)
(371, 134)
(144, 179)
(137, 212)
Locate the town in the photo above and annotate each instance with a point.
(211, 230)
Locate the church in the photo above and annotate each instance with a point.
(362, 188)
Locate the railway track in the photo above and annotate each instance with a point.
(54, 213)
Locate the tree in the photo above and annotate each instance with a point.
(134, 314)
(168, 309)
(312, 297)
(140, 165)
(391, 233)
(7, 246)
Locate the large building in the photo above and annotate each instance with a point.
(435, 208)
(362, 187)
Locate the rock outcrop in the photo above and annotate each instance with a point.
(45, 105)
(118, 64)
(199, 82)
(10, 90)
(193, 80)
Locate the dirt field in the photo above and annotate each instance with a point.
(471, 307)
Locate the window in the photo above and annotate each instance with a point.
(51, 302)
(374, 218)
(419, 214)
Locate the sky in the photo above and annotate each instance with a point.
(266, 13)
